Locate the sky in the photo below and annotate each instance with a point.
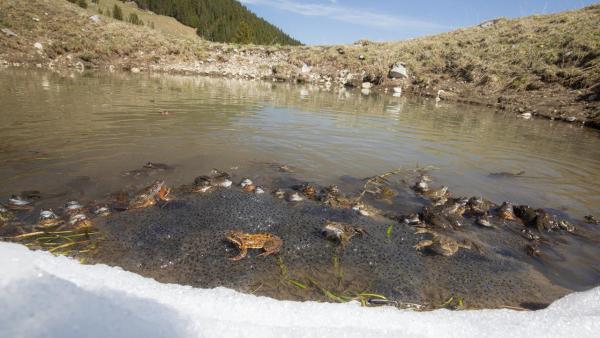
(318, 22)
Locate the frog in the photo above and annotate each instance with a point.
(157, 166)
(247, 185)
(440, 244)
(16, 202)
(79, 221)
(220, 179)
(5, 215)
(506, 212)
(341, 232)
(590, 219)
(271, 244)
(537, 218)
(478, 206)
(307, 190)
(201, 184)
(150, 195)
(385, 193)
(48, 219)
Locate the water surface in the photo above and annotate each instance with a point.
(79, 133)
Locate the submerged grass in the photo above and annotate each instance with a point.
(66, 242)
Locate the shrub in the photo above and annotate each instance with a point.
(134, 19)
(117, 13)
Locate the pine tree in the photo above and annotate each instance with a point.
(220, 20)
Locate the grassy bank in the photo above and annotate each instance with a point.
(547, 65)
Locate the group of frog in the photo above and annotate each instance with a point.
(446, 214)
(440, 217)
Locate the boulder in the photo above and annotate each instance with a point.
(8, 32)
(398, 71)
(306, 69)
(95, 18)
(38, 46)
(367, 85)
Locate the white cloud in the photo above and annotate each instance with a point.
(347, 14)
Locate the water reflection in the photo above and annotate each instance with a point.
(56, 128)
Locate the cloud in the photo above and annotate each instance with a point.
(347, 14)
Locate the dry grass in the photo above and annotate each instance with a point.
(545, 64)
(161, 23)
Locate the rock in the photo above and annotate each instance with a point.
(8, 32)
(361, 57)
(367, 85)
(95, 18)
(398, 71)
(341, 51)
(489, 23)
(571, 119)
(306, 69)
(35, 19)
(526, 116)
(135, 70)
(398, 90)
(38, 46)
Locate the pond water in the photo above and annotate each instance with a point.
(79, 137)
(58, 131)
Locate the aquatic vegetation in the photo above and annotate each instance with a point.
(65, 242)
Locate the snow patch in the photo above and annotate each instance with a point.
(46, 296)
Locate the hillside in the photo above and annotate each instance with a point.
(220, 20)
(546, 65)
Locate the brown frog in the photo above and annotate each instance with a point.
(478, 206)
(507, 212)
(243, 241)
(536, 218)
(150, 195)
(341, 232)
(5, 215)
(440, 244)
(48, 219)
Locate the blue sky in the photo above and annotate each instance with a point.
(345, 21)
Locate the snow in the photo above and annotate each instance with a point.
(46, 296)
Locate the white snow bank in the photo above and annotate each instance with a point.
(46, 296)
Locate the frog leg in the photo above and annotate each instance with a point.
(271, 246)
(242, 254)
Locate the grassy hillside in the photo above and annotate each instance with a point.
(220, 20)
(165, 24)
(548, 65)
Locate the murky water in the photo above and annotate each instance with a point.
(58, 131)
(75, 137)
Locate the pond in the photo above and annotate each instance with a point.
(88, 136)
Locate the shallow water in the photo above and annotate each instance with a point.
(82, 132)
(74, 137)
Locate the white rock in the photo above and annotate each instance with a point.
(398, 71)
(526, 116)
(306, 69)
(8, 32)
(95, 18)
(398, 90)
(365, 91)
(38, 46)
(135, 70)
(367, 85)
(571, 119)
(35, 19)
